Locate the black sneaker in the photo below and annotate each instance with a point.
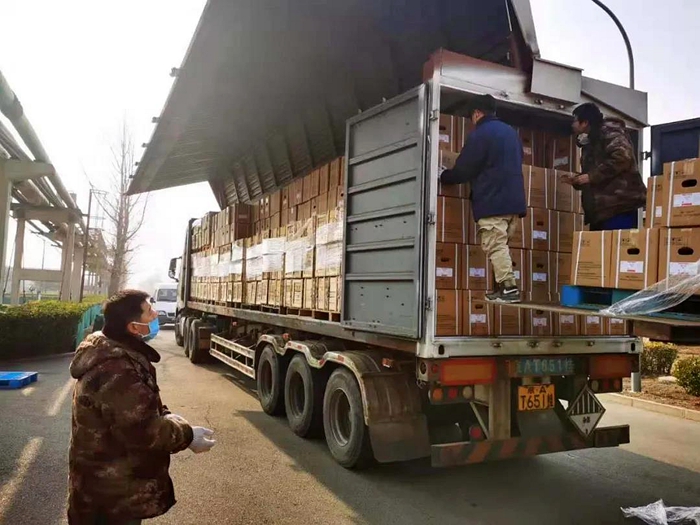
(504, 294)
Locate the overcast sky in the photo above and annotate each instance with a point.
(83, 66)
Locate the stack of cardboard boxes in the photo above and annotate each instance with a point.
(540, 248)
(668, 246)
(282, 251)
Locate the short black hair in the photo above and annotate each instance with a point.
(121, 309)
(589, 112)
(484, 103)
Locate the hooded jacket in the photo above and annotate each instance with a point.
(616, 186)
(122, 435)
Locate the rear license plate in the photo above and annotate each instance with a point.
(542, 366)
(535, 397)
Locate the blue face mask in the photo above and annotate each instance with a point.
(153, 329)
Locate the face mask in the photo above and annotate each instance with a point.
(583, 140)
(153, 329)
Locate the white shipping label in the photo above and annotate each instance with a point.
(444, 272)
(539, 321)
(566, 319)
(677, 268)
(444, 138)
(592, 319)
(659, 211)
(477, 318)
(616, 321)
(527, 151)
(539, 234)
(477, 272)
(516, 273)
(632, 267)
(539, 277)
(686, 199)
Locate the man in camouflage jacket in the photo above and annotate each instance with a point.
(612, 187)
(122, 435)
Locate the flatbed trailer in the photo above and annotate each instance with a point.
(381, 384)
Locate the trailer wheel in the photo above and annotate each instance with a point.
(344, 423)
(269, 376)
(179, 339)
(303, 398)
(186, 333)
(196, 354)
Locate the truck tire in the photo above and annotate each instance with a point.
(269, 375)
(186, 334)
(179, 339)
(196, 354)
(303, 398)
(344, 423)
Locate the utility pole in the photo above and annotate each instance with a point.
(86, 247)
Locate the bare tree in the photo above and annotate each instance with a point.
(124, 213)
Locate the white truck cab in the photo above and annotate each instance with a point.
(164, 300)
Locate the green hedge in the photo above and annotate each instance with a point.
(687, 372)
(42, 328)
(657, 358)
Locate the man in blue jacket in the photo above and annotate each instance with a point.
(491, 162)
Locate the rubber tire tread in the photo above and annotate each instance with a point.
(274, 405)
(310, 423)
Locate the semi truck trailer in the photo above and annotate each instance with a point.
(380, 379)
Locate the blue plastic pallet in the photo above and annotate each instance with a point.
(14, 380)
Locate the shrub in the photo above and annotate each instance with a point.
(658, 358)
(40, 328)
(687, 373)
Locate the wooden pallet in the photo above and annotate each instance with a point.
(271, 309)
(326, 316)
(301, 312)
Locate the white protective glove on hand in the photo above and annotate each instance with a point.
(201, 442)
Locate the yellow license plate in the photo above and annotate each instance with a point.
(535, 397)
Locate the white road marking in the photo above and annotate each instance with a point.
(60, 398)
(9, 489)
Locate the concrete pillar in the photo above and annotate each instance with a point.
(67, 263)
(78, 256)
(5, 201)
(17, 265)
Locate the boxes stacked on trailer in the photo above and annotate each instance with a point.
(541, 247)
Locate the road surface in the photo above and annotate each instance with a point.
(260, 473)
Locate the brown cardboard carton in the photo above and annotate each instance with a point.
(616, 326)
(296, 194)
(324, 179)
(322, 203)
(476, 269)
(251, 292)
(334, 174)
(560, 264)
(449, 313)
(537, 191)
(540, 229)
(520, 268)
(449, 266)
(566, 224)
(517, 240)
(451, 220)
(275, 203)
(304, 211)
(288, 293)
(262, 292)
(477, 314)
(635, 257)
(563, 195)
(559, 152)
(285, 196)
(322, 294)
(448, 132)
(539, 278)
(275, 221)
(297, 293)
(335, 289)
(679, 250)
(538, 322)
(655, 210)
(508, 320)
(309, 294)
(682, 193)
(590, 263)
(566, 324)
(592, 325)
(532, 147)
(447, 161)
(237, 292)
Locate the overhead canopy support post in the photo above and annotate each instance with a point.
(17, 265)
(5, 202)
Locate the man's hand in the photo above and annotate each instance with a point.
(582, 179)
(201, 442)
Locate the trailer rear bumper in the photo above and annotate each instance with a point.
(467, 453)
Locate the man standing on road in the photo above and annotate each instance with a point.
(122, 435)
(612, 189)
(491, 161)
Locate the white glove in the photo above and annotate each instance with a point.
(201, 442)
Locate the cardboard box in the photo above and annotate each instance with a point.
(447, 161)
(559, 152)
(560, 266)
(449, 320)
(593, 325)
(681, 193)
(449, 267)
(520, 268)
(451, 217)
(334, 174)
(297, 293)
(477, 314)
(240, 213)
(537, 191)
(275, 203)
(590, 262)
(335, 294)
(655, 202)
(304, 211)
(296, 194)
(517, 240)
(566, 224)
(448, 133)
(508, 320)
(263, 288)
(635, 258)
(237, 296)
(251, 291)
(566, 324)
(563, 195)
(476, 269)
(322, 294)
(538, 322)
(320, 203)
(616, 326)
(288, 292)
(324, 179)
(533, 154)
(679, 250)
(285, 196)
(309, 294)
(540, 229)
(539, 278)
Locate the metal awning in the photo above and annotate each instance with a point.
(267, 85)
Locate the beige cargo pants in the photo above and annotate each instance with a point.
(495, 232)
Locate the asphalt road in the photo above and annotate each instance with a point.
(260, 473)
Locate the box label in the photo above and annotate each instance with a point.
(516, 273)
(677, 268)
(659, 212)
(477, 318)
(539, 235)
(444, 272)
(477, 272)
(592, 319)
(686, 199)
(539, 277)
(632, 267)
(539, 321)
(616, 321)
(567, 319)
(444, 138)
